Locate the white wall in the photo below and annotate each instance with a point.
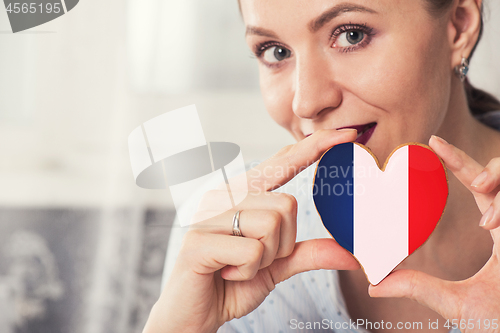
(68, 103)
(485, 64)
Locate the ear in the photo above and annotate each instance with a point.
(464, 28)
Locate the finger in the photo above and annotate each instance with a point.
(491, 218)
(439, 295)
(205, 253)
(292, 159)
(259, 224)
(283, 203)
(264, 226)
(491, 221)
(464, 167)
(311, 255)
(489, 179)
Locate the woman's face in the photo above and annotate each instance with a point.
(382, 67)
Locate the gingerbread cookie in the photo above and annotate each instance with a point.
(380, 215)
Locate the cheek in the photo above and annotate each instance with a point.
(278, 98)
(408, 82)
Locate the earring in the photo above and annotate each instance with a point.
(461, 71)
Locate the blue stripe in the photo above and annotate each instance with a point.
(333, 193)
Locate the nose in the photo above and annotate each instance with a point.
(315, 89)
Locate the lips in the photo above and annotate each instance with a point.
(364, 132)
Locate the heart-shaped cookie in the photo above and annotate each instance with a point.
(380, 215)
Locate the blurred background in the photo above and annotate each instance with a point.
(82, 247)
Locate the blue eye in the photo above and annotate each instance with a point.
(354, 37)
(276, 53)
(349, 38)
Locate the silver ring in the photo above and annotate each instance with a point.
(236, 224)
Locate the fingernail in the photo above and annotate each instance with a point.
(487, 216)
(479, 179)
(347, 130)
(443, 141)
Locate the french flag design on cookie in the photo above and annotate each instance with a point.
(380, 215)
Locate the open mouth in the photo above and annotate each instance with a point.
(364, 132)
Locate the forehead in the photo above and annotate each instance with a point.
(280, 12)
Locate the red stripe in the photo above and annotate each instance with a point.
(427, 194)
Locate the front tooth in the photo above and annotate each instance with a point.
(359, 134)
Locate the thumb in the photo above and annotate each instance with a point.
(311, 255)
(436, 294)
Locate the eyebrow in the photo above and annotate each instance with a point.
(317, 23)
(260, 32)
(335, 11)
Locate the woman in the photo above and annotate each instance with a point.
(382, 73)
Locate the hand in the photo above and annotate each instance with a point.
(217, 276)
(475, 299)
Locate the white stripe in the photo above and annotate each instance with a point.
(64, 6)
(380, 213)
